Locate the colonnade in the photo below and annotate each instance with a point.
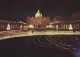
(62, 26)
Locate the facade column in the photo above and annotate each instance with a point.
(59, 26)
(79, 26)
(12, 26)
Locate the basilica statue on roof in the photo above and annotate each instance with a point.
(38, 21)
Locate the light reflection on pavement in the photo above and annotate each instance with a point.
(12, 34)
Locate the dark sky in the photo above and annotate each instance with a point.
(19, 9)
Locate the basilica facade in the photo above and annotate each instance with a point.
(58, 23)
(38, 21)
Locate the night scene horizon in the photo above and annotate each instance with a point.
(39, 28)
(17, 10)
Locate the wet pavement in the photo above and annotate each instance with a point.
(12, 34)
(27, 47)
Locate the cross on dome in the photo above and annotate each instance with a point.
(38, 10)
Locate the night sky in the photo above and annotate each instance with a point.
(16, 10)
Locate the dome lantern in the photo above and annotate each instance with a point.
(38, 14)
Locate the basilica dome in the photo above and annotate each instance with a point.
(38, 14)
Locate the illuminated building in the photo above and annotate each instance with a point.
(59, 23)
(38, 21)
(12, 25)
(63, 23)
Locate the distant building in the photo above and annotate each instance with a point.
(59, 23)
(76, 15)
(63, 23)
(13, 25)
(38, 21)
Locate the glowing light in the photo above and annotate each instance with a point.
(50, 26)
(8, 26)
(31, 26)
(38, 14)
(70, 27)
(48, 41)
(47, 26)
(77, 52)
